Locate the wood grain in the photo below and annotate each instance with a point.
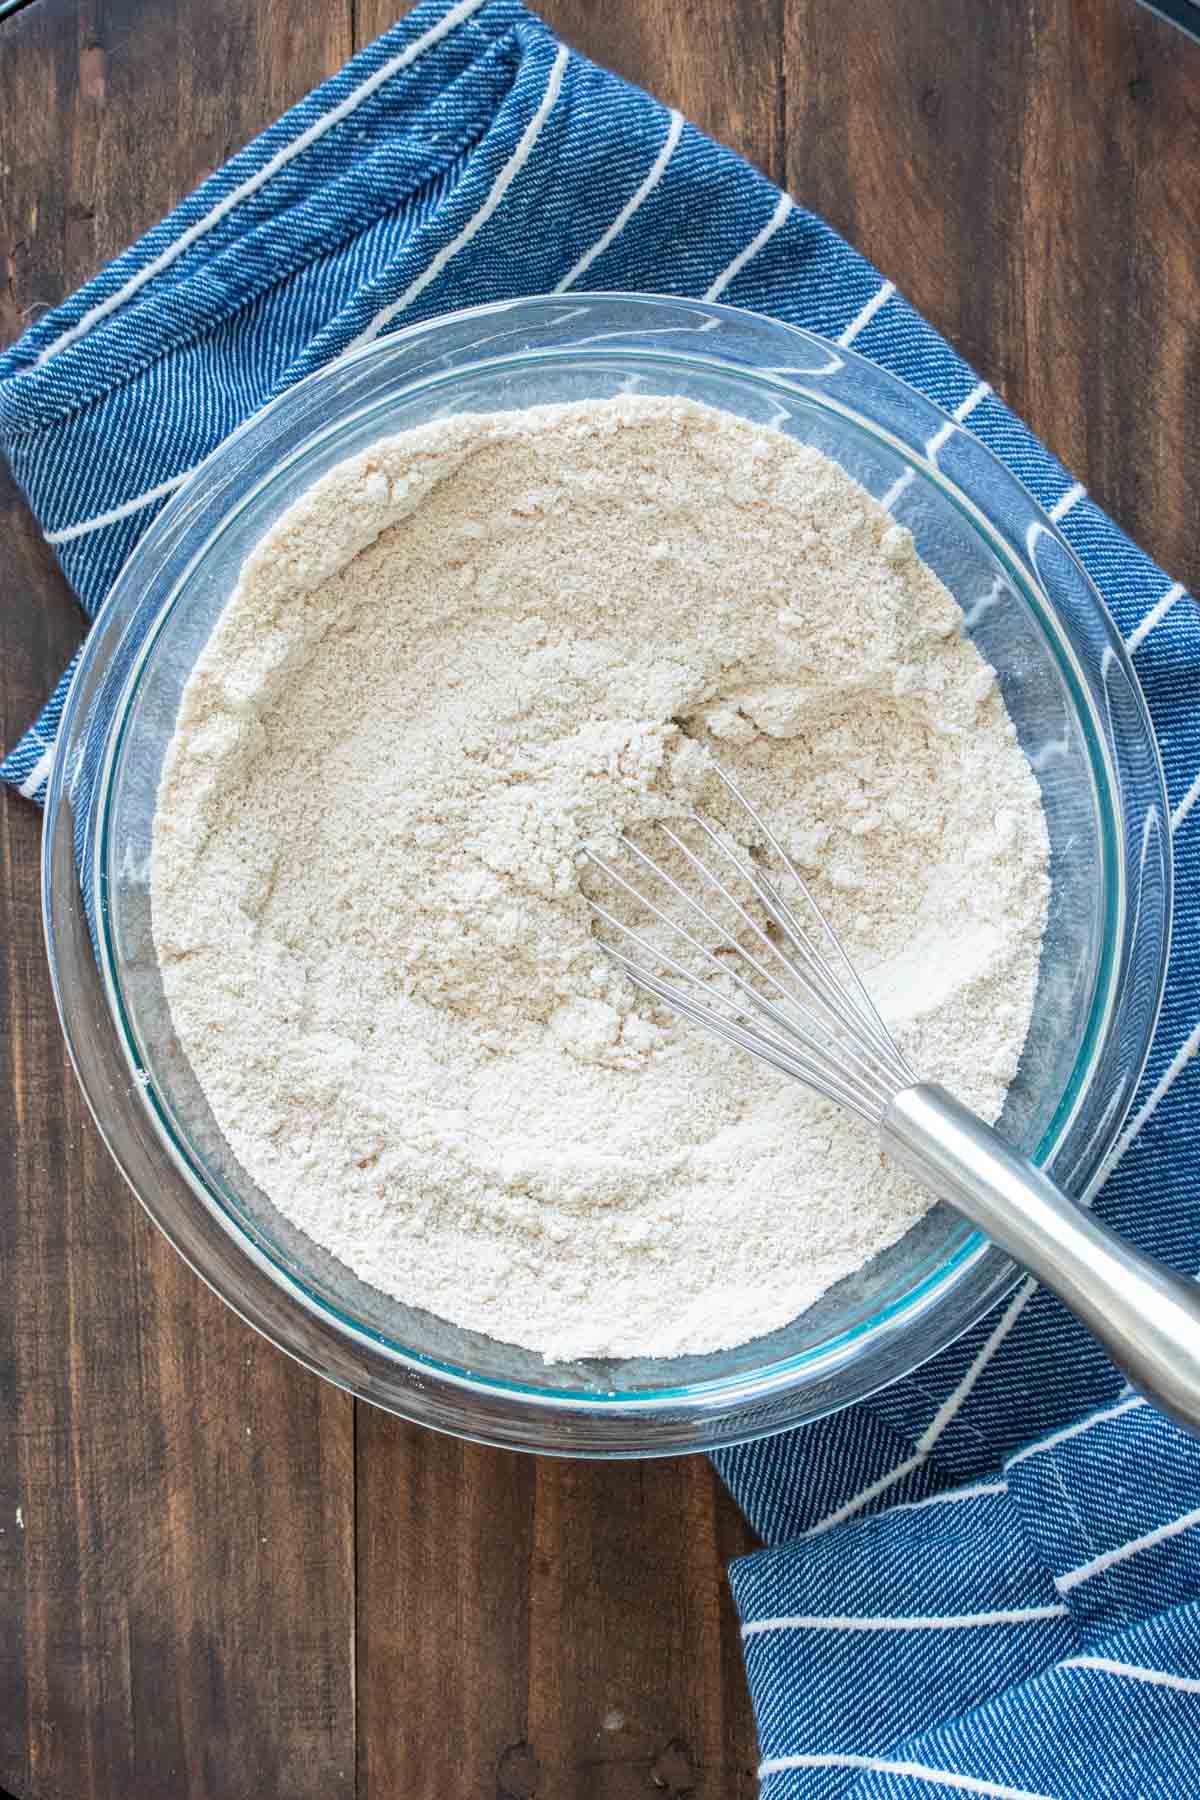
(721, 65)
(551, 1629)
(175, 1569)
(1027, 174)
(224, 1582)
(176, 1557)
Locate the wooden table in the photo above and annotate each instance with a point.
(220, 1577)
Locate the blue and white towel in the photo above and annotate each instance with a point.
(947, 1605)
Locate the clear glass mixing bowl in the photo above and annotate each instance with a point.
(1068, 685)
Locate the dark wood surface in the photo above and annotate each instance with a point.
(218, 1577)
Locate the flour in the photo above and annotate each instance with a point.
(460, 656)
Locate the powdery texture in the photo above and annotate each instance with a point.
(460, 655)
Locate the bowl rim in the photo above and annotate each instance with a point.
(711, 1403)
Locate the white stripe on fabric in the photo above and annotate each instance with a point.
(479, 219)
(939, 437)
(1107, 1665)
(1109, 1558)
(39, 773)
(863, 317)
(961, 413)
(941, 1418)
(967, 407)
(1076, 1430)
(977, 1492)
(1155, 1097)
(116, 513)
(848, 1509)
(1017, 1615)
(1065, 502)
(885, 1765)
(953, 1403)
(655, 175)
(752, 248)
(1185, 805)
(1157, 613)
(445, 25)
(900, 486)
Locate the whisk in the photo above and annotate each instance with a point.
(754, 961)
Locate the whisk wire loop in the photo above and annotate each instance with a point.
(790, 1027)
(866, 1009)
(811, 973)
(818, 1025)
(764, 1044)
(820, 1028)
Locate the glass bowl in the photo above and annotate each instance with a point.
(1068, 685)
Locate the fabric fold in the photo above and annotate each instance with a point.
(1037, 1634)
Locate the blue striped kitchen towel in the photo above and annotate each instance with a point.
(987, 1579)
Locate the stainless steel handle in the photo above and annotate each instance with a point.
(1146, 1315)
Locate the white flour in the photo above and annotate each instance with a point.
(458, 656)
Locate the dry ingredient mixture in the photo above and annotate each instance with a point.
(459, 656)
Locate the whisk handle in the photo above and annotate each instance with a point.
(1146, 1315)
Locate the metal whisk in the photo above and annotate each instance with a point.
(754, 961)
